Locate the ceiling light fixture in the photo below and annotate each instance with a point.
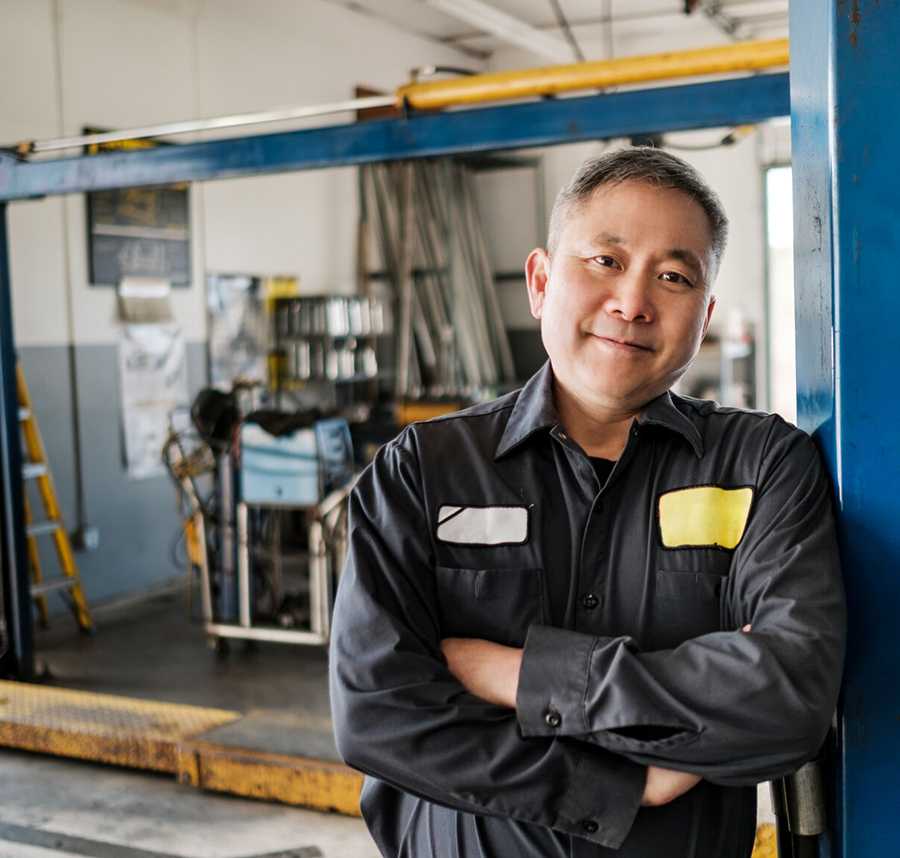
(505, 27)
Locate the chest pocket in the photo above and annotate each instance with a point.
(685, 605)
(495, 604)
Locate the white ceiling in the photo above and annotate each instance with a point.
(589, 20)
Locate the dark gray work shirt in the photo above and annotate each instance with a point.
(628, 598)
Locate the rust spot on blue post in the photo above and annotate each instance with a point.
(855, 20)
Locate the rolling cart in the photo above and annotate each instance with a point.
(270, 470)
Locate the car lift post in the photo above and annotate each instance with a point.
(845, 108)
(16, 651)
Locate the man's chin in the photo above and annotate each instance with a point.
(612, 397)
(617, 390)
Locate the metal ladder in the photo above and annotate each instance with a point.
(37, 468)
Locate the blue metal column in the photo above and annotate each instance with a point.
(846, 126)
(16, 655)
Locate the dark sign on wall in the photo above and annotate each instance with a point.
(142, 232)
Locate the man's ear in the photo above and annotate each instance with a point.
(537, 276)
(709, 311)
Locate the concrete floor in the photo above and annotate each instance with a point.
(152, 649)
(54, 807)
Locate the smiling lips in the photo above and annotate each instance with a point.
(623, 345)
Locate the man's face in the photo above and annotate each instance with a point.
(624, 302)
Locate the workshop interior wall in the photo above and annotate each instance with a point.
(124, 63)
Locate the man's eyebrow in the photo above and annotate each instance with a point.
(681, 253)
(607, 238)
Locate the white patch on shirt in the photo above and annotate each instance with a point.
(483, 525)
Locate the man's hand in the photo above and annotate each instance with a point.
(488, 670)
(665, 785)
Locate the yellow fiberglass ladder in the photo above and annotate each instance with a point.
(37, 468)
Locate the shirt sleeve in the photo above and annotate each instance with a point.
(400, 715)
(737, 708)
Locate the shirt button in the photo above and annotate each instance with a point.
(589, 601)
(589, 826)
(553, 718)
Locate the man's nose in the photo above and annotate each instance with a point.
(630, 299)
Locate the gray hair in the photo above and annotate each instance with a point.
(640, 164)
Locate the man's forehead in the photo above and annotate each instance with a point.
(616, 215)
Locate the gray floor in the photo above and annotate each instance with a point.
(53, 807)
(153, 649)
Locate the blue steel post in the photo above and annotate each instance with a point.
(16, 655)
(846, 124)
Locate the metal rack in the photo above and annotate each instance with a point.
(327, 338)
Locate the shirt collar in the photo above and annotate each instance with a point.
(663, 411)
(535, 410)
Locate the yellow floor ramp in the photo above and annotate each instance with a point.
(766, 845)
(215, 749)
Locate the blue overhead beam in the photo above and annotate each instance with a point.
(846, 123)
(735, 101)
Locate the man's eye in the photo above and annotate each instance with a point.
(675, 277)
(606, 261)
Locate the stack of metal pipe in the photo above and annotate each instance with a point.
(450, 336)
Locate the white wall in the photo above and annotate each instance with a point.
(121, 63)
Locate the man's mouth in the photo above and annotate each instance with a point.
(625, 345)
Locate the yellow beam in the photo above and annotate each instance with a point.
(318, 784)
(409, 412)
(550, 80)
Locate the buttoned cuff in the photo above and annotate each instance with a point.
(606, 789)
(553, 681)
(604, 795)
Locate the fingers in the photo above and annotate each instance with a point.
(746, 628)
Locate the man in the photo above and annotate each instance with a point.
(587, 618)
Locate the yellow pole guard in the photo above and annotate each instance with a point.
(548, 80)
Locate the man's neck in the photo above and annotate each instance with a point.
(602, 432)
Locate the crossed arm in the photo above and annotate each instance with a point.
(491, 671)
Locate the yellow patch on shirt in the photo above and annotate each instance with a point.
(704, 516)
